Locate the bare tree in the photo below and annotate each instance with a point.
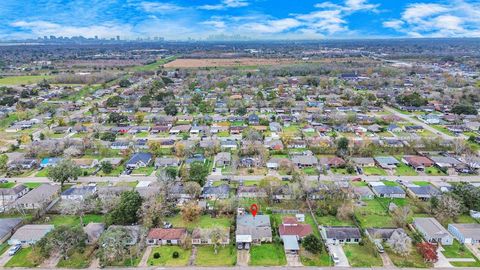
(216, 236)
(447, 208)
(193, 189)
(401, 216)
(400, 243)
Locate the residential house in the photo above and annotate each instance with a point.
(23, 164)
(223, 159)
(333, 162)
(253, 229)
(167, 162)
(251, 192)
(363, 161)
(419, 163)
(114, 161)
(363, 193)
(78, 192)
(218, 192)
(466, 233)
(39, 197)
(291, 226)
(382, 234)
(119, 145)
(30, 234)
(202, 236)
(9, 195)
(445, 162)
(290, 244)
(93, 232)
(432, 231)
(386, 162)
(85, 163)
(160, 236)
(341, 235)
(133, 231)
(423, 192)
(303, 161)
(8, 227)
(139, 160)
(383, 191)
(47, 162)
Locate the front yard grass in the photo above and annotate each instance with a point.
(205, 222)
(457, 250)
(70, 220)
(374, 171)
(23, 258)
(3, 247)
(267, 255)
(143, 171)
(405, 170)
(226, 256)
(421, 183)
(78, 259)
(166, 256)
(310, 171)
(32, 185)
(42, 173)
(434, 171)
(361, 256)
(309, 259)
(413, 260)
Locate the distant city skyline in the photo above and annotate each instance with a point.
(244, 19)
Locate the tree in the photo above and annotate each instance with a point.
(198, 172)
(193, 189)
(114, 101)
(401, 216)
(343, 147)
(64, 239)
(270, 184)
(468, 195)
(191, 212)
(464, 109)
(400, 243)
(216, 236)
(428, 251)
(127, 211)
(108, 136)
(117, 118)
(113, 245)
(124, 83)
(171, 109)
(64, 171)
(106, 167)
(447, 208)
(345, 211)
(412, 99)
(3, 162)
(312, 244)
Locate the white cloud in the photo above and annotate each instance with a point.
(155, 7)
(215, 23)
(455, 19)
(44, 28)
(226, 4)
(272, 26)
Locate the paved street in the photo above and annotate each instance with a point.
(261, 268)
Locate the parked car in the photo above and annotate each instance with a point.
(379, 247)
(335, 258)
(3, 181)
(13, 250)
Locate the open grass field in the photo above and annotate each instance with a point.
(17, 80)
(226, 62)
(373, 215)
(205, 222)
(58, 220)
(405, 170)
(374, 171)
(153, 66)
(7, 121)
(226, 256)
(267, 255)
(332, 221)
(309, 259)
(166, 258)
(361, 256)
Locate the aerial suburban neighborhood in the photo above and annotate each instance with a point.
(249, 154)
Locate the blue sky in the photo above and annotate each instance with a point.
(256, 19)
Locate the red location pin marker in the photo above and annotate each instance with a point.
(253, 209)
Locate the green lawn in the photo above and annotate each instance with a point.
(332, 221)
(390, 183)
(7, 185)
(155, 65)
(267, 255)
(23, 258)
(3, 247)
(341, 171)
(42, 173)
(115, 172)
(421, 183)
(405, 170)
(7, 121)
(361, 256)
(413, 260)
(309, 259)
(166, 258)
(373, 215)
(443, 129)
(127, 184)
(69, 220)
(310, 171)
(143, 171)
(205, 222)
(475, 264)
(78, 259)
(434, 171)
(32, 185)
(17, 80)
(226, 256)
(374, 171)
(457, 250)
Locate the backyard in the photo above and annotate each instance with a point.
(205, 222)
(373, 214)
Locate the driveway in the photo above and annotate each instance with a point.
(442, 260)
(293, 260)
(243, 257)
(4, 258)
(144, 261)
(386, 260)
(338, 250)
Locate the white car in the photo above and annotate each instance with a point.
(335, 258)
(14, 249)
